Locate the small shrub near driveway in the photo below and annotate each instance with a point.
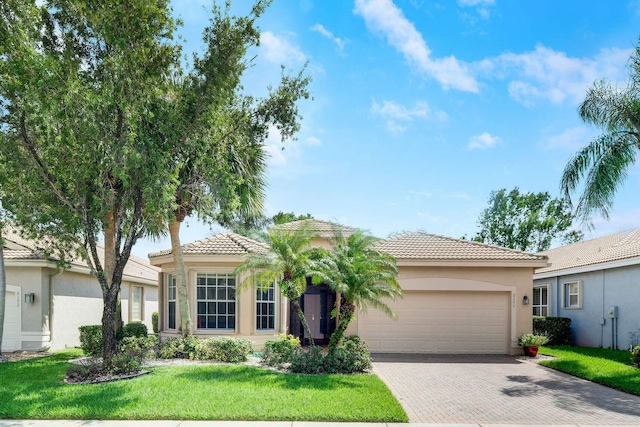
(349, 357)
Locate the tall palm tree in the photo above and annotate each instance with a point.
(289, 260)
(361, 274)
(602, 164)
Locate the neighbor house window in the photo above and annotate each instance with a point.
(541, 300)
(171, 301)
(136, 304)
(216, 301)
(572, 297)
(266, 308)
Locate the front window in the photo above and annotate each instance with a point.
(265, 308)
(541, 300)
(216, 301)
(136, 304)
(572, 295)
(171, 301)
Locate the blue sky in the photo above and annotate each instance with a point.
(422, 108)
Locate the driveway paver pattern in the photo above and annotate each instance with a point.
(483, 389)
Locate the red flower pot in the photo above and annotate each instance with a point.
(531, 351)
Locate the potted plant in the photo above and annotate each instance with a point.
(530, 343)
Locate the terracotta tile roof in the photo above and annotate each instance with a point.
(136, 267)
(424, 246)
(614, 247)
(324, 228)
(220, 244)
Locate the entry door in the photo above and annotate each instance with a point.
(312, 312)
(12, 332)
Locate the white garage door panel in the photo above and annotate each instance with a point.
(12, 331)
(441, 322)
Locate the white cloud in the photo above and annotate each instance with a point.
(280, 50)
(383, 16)
(571, 139)
(396, 114)
(548, 75)
(483, 141)
(312, 140)
(328, 34)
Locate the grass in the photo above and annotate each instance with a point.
(612, 368)
(33, 389)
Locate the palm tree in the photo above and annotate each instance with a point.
(361, 275)
(288, 262)
(603, 163)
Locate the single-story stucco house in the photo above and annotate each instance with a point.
(459, 296)
(45, 305)
(595, 283)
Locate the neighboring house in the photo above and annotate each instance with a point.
(460, 296)
(595, 283)
(45, 305)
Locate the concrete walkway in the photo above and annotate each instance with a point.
(499, 390)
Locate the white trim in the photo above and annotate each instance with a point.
(565, 302)
(587, 268)
(548, 302)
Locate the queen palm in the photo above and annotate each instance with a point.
(603, 163)
(288, 261)
(362, 275)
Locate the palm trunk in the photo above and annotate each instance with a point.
(303, 320)
(186, 326)
(347, 311)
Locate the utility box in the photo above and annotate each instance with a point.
(613, 312)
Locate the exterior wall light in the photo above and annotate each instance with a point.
(29, 298)
(525, 300)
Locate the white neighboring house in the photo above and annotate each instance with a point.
(45, 305)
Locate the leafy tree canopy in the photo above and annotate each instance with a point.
(526, 221)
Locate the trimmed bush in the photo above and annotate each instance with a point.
(154, 322)
(145, 348)
(308, 360)
(557, 329)
(171, 348)
(224, 349)
(279, 351)
(91, 340)
(635, 353)
(134, 329)
(351, 356)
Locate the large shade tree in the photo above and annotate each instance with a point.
(218, 132)
(600, 168)
(288, 262)
(361, 274)
(526, 221)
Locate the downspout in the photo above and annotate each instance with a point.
(51, 277)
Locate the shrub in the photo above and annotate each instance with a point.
(154, 322)
(557, 329)
(635, 353)
(142, 347)
(278, 351)
(171, 348)
(134, 329)
(84, 370)
(351, 356)
(532, 340)
(126, 363)
(308, 360)
(91, 340)
(224, 349)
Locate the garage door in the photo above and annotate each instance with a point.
(12, 332)
(441, 322)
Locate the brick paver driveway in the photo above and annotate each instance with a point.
(499, 390)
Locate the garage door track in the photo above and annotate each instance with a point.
(499, 390)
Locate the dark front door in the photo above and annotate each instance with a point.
(317, 303)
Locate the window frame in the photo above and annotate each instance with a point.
(140, 303)
(216, 301)
(171, 283)
(261, 304)
(567, 294)
(543, 307)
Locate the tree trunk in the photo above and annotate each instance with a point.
(3, 289)
(303, 320)
(109, 293)
(186, 325)
(346, 312)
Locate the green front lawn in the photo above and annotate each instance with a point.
(613, 368)
(34, 389)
